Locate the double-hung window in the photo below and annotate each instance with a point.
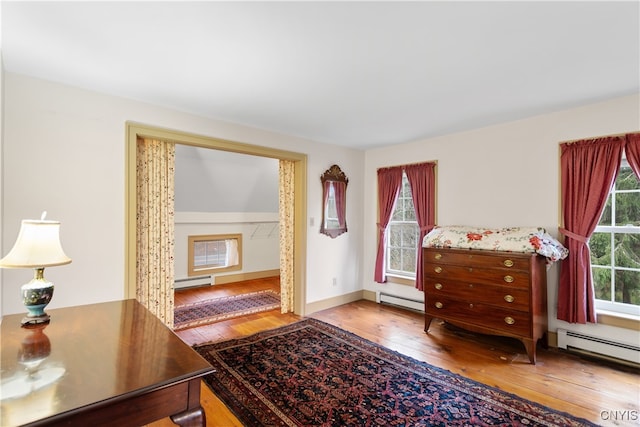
(615, 247)
(402, 238)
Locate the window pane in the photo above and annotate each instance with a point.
(602, 283)
(605, 219)
(216, 253)
(406, 188)
(409, 211)
(627, 287)
(628, 208)
(394, 259)
(409, 260)
(395, 235)
(600, 245)
(627, 250)
(627, 180)
(397, 212)
(200, 253)
(409, 236)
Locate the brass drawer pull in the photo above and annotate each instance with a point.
(437, 256)
(509, 298)
(438, 269)
(509, 320)
(438, 286)
(508, 279)
(470, 305)
(438, 304)
(508, 263)
(470, 285)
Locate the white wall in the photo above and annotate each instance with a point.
(209, 180)
(505, 175)
(260, 238)
(64, 152)
(2, 249)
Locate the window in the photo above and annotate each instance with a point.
(214, 253)
(402, 235)
(331, 210)
(615, 247)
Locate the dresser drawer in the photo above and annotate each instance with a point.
(463, 257)
(508, 321)
(501, 296)
(476, 275)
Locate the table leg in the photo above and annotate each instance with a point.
(191, 418)
(194, 416)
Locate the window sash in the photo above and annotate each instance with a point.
(612, 230)
(406, 253)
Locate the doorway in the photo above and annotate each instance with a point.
(135, 131)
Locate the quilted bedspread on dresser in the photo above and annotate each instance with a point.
(510, 239)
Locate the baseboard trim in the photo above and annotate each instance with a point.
(333, 302)
(369, 295)
(241, 277)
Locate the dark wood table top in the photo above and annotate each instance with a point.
(88, 354)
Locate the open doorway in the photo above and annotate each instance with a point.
(227, 237)
(299, 168)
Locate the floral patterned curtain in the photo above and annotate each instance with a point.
(286, 212)
(155, 173)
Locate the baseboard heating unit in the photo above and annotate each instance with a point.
(598, 346)
(404, 302)
(190, 282)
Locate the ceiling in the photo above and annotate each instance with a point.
(357, 74)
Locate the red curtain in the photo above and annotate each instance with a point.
(423, 192)
(389, 182)
(633, 152)
(339, 190)
(588, 170)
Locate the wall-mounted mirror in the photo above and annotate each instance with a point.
(334, 202)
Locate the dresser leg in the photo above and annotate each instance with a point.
(427, 322)
(530, 346)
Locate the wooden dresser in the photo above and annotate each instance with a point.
(490, 292)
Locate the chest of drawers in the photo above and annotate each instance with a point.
(490, 292)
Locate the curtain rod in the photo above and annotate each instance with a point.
(408, 164)
(597, 137)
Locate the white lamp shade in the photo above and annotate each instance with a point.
(38, 245)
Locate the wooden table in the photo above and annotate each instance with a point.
(112, 363)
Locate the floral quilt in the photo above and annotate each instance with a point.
(511, 239)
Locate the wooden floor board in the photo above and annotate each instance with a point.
(560, 380)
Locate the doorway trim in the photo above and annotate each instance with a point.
(135, 130)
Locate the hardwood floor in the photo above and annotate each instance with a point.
(605, 394)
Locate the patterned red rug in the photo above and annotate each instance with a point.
(314, 374)
(215, 310)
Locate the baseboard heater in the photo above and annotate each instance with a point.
(190, 282)
(399, 301)
(598, 346)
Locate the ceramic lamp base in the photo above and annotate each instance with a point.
(36, 295)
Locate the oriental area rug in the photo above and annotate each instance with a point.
(214, 310)
(310, 373)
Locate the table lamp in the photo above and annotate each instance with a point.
(38, 246)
